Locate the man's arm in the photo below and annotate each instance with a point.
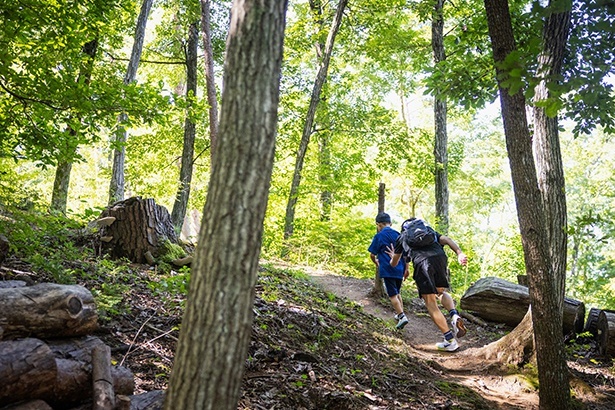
(461, 257)
(394, 256)
(373, 258)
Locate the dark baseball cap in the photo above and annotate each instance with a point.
(383, 218)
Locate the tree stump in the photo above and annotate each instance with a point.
(140, 226)
(500, 301)
(47, 310)
(606, 333)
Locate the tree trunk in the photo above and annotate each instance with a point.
(210, 79)
(546, 143)
(440, 113)
(116, 186)
(324, 170)
(546, 309)
(321, 77)
(61, 183)
(217, 324)
(47, 310)
(185, 174)
(500, 301)
(378, 289)
(140, 228)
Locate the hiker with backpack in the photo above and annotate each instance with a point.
(422, 245)
(393, 276)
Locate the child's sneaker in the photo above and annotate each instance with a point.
(459, 329)
(448, 345)
(402, 320)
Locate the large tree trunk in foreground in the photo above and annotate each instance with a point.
(139, 230)
(47, 310)
(500, 301)
(216, 328)
(545, 300)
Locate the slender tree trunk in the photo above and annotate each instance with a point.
(61, 183)
(309, 119)
(210, 80)
(326, 196)
(552, 371)
(116, 186)
(217, 324)
(440, 112)
(547, 145)
(185, 174)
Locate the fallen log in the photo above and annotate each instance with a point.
(591, 324)
(28, 364)
(501, 301)
(47, 310)
(606, 333)
(63, 377)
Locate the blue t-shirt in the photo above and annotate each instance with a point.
(387, 236)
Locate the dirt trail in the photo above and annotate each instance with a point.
(508, 392)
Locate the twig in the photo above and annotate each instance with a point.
(135, 338)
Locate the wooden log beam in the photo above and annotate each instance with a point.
(47, 310)
(501, 301)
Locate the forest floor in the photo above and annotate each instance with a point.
(320, 341)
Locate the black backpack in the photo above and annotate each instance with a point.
(417, 234)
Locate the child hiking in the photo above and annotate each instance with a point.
(392, 275)
(423, 246)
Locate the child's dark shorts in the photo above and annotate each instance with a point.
(393, 286)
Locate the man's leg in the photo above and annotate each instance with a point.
(436, 315)
(448, 303)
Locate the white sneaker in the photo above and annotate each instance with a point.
(459, 329)
(402, 321)
(448, 345)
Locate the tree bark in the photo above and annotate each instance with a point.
(544, 297)
(546, 143)
(140, 226)
(116, 185)
(591, 324)
(103, 396)
(210, 79)
(605, 331)
(321, 77)
(185, 173)
(440, 117)
(217, 324)
(47, 310)
(378, 289)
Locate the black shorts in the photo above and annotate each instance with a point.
(430, 274)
